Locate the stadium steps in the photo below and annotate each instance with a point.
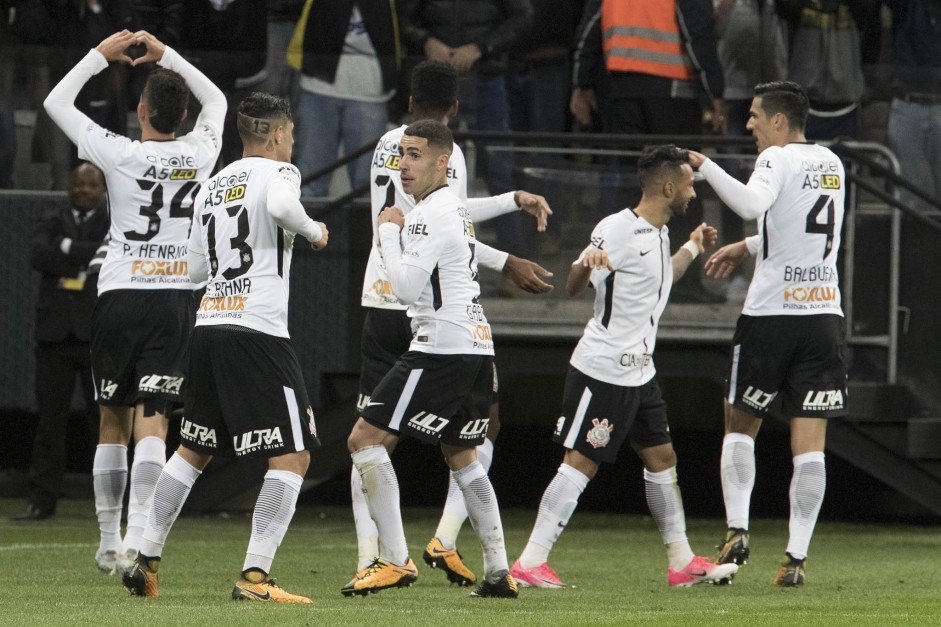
(883, 437)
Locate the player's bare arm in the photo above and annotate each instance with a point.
(701, 238)
(536, 205)
(592, 258)
(525, 274)
(726, 259)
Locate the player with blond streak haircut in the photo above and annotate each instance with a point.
(246, 395)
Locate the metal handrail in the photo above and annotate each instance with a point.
(853, 152)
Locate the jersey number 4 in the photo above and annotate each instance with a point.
(824, 228)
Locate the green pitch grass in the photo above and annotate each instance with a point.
(857, 575)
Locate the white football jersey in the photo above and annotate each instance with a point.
(799, 236)
(151, 186)
(247, 253)
(386, 181)
(446, 318)
(618, 342)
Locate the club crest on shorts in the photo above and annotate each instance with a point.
(600, 434)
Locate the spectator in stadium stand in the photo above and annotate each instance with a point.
(475, 37)
(640, 96)
(915, 116)
(65, 240)
(349, 55)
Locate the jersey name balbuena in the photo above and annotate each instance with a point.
(248, 254)
(151, 186)
(799, 236)
(446, 318)
(387, 191)
(618, 342)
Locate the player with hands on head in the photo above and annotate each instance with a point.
(789, 342)
(611, 395)
(142, 321)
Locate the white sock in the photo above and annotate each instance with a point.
(109, 477)
(173, 486)
(556, 507)
(455, 511)
(666, 507)
(273, 512)
(738, 477)
(808, 485)
(381, 488)
(150, 455)
(367, 534)
(484, 513)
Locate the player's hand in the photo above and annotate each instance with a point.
(114, 47)
(535, 205)
(322, 242)
(596, 259)
(155, 48)
(582, 104)
(525, 274)
(704, 236)
(393, 215)
(437, 50)
(696, 159)
(726, 259)
(464, 57)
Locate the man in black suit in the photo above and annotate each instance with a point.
(62, 247)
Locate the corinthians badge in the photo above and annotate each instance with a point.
(600, 434)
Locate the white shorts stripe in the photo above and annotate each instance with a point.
(733, 377)
(296, 426)
(407, 391)
(576, 427)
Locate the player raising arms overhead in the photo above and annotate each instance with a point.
(142, 321)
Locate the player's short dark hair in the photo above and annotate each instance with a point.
(787, 98)
(434, 87)
(656, 161)
(438, 135)
(166, 95)
(259, 105)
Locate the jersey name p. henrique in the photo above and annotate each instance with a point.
(384, 174)
(446, 318)
(799, 236)
(618, 342)
(247, 253)
(151, 186)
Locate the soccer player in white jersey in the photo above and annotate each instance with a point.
(144, 315)
(387, 331)
(439, 391)
(611, 395)
(788, 346)
(246, 394)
